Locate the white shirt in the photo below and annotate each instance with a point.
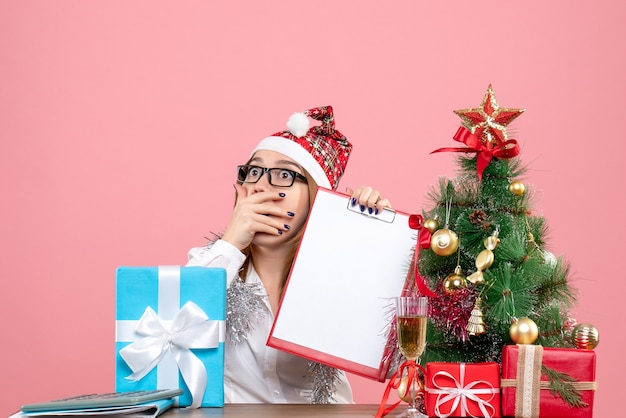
(254, 372)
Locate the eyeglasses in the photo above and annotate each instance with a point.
(279, 177)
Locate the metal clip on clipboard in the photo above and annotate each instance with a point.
(386, 215)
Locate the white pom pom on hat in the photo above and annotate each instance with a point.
(298, 124)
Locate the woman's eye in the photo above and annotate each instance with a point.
(286, 174)
(254, 172)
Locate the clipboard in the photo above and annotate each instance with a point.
(336, 303)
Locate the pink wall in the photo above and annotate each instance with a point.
(121, 123)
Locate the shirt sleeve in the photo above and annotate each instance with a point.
(220, 254)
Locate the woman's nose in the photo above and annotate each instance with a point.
(263, 183)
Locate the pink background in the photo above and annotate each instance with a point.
(121, 123)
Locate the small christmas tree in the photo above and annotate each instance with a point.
(483, 252)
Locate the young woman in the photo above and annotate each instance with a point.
(274, 192)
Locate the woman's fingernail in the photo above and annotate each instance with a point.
(291, 214)
(376, 211)
(287, 226)
(281, 194)
(353, 201)
(280, 232)
(362, 208)
(370, 210)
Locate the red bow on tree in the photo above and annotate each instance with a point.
(507, 149)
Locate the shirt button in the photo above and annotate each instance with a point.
(276, 392)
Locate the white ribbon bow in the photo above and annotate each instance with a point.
(461, 394)
(190, 328)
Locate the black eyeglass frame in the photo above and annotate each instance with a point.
(295, 175)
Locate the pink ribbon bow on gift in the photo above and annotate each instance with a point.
(461, 394)
(190, 328)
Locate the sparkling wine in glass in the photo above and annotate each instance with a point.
(411, 318)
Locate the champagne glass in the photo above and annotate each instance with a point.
(411, 318)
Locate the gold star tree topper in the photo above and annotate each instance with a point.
(488, 122)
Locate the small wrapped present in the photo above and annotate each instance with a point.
(462, 389)
(537, 381)
(170, 328)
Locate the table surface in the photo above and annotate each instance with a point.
(278, 410)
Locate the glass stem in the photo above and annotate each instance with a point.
(413, 390)
(413, 396)
(416, 388)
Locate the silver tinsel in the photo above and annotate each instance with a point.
(244, 306)
(392, 354)
(324, 383)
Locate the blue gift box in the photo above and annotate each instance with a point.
(170, 328)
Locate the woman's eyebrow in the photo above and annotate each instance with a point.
(291, 163)
(279, 162)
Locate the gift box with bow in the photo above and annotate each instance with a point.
(526, 388)
(170, 327)
(462, 390)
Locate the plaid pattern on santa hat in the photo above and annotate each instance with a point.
(321, 150)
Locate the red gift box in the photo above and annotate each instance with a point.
(525, 389)
(462, 389)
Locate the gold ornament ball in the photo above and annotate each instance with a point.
(524, 331)
(585, 336)
(517, 188)
(403, 392)
(454, 282)
(431, 224)
(444, 242)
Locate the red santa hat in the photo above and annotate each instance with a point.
(321, 150)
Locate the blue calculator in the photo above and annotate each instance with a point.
(100, 400)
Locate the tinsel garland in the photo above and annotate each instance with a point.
(244, 306)
(451, 312)
(325, 380)
(391, 354)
